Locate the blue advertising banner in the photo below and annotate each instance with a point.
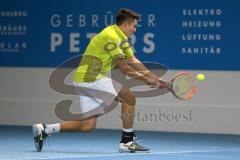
(187, 34)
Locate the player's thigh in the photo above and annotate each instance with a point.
(127, 96)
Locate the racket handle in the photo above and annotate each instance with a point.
(166, 85)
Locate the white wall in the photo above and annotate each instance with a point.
(26, 98)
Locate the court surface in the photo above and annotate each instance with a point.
(17, 143)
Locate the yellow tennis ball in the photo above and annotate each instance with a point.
(200, 77)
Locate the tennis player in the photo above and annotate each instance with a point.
(107, 50)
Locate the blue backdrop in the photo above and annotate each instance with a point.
(187, 34)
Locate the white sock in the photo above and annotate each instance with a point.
(128, 129)
(52, 128)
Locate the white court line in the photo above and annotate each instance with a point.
(135, 154)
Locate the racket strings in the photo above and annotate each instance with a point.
(183, 86)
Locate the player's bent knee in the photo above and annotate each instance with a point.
(88, 126)
(128, 96)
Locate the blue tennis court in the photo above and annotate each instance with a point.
(17, 143)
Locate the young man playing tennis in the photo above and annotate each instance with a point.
(106, 50)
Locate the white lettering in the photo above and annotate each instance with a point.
(82, 20)
(69, 20)
(95, 20)
(151, 18)
(74, 42)
(147, 40)
(55, 20)
(56, 40)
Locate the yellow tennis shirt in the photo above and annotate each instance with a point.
(98, 58)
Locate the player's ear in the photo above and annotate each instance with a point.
(126, 23)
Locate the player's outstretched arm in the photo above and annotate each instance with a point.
(138, 66)
(126, 69)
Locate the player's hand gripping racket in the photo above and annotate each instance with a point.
(182, 86)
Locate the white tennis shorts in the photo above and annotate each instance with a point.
(89, 104)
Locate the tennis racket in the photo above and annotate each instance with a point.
(182, 86)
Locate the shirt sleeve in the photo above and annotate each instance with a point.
(128, 50)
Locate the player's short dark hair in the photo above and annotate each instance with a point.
(125, 14)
